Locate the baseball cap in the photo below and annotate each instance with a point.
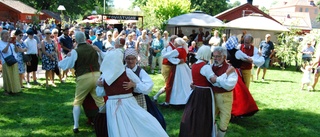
(98, 32)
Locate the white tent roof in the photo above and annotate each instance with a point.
(195, 19)
(256, 23)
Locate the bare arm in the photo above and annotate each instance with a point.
(5, 50)
(137, 45)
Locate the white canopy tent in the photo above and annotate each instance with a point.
(199, 19)
(256, 23)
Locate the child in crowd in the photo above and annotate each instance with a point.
(306, 78)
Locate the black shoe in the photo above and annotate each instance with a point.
(36, 83)
(76, 130)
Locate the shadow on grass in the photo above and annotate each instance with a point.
(267, 81)
(41, 112)
(276, 122)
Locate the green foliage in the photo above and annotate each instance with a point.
(287, 50)
(35, 19)
(208, 6)
(234, 4)
(139, 3)
(157, 12)
(73, 7)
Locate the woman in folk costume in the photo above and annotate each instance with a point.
(180, 74)
(145, 86)
(243, 102)
(125, 118)
(199, 114)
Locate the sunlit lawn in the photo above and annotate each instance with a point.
(284, 110)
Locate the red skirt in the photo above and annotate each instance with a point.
(243, 102)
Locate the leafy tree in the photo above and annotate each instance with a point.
(318, 17)
(234, 4)
(209, 6)
(139, 3)
(157, 12)
(289, 47)
(73, 7)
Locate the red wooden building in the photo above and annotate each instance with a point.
(241, 11)
(15, 10)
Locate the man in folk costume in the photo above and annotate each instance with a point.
(253, 57)
(123, 114)
(222, 89)
(199, 114)
(243, 102)
(200, 37)
(87, 72)
(166, 66)
(180, 75)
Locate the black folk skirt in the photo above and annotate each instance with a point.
(197, 119)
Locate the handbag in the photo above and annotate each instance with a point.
(151, 50)
(10, 60)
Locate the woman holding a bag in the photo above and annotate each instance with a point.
(11, 83)
(20, 55)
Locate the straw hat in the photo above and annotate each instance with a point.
(185, 38)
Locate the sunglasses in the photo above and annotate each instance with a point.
(48, 33)
(21, 35)
(109, 35)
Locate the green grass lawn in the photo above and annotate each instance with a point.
(285, 111)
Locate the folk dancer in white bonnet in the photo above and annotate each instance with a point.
(146, 83)
(124, 116)
(131, 59)
(87, 72)
(180, 75)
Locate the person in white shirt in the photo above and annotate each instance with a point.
(222, 89)
(32, 51)
(215, 40)
(11, 84)
(166, 38)
(87, 72)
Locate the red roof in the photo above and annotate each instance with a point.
(19, 6)
(241, 11)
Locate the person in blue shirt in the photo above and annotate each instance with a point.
(91, 35)
(98, 42)
(67, 45)
(266, 49)
(130, 43)
(156, 48)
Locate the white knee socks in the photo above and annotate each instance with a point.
(76, 116)
(162, 90)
